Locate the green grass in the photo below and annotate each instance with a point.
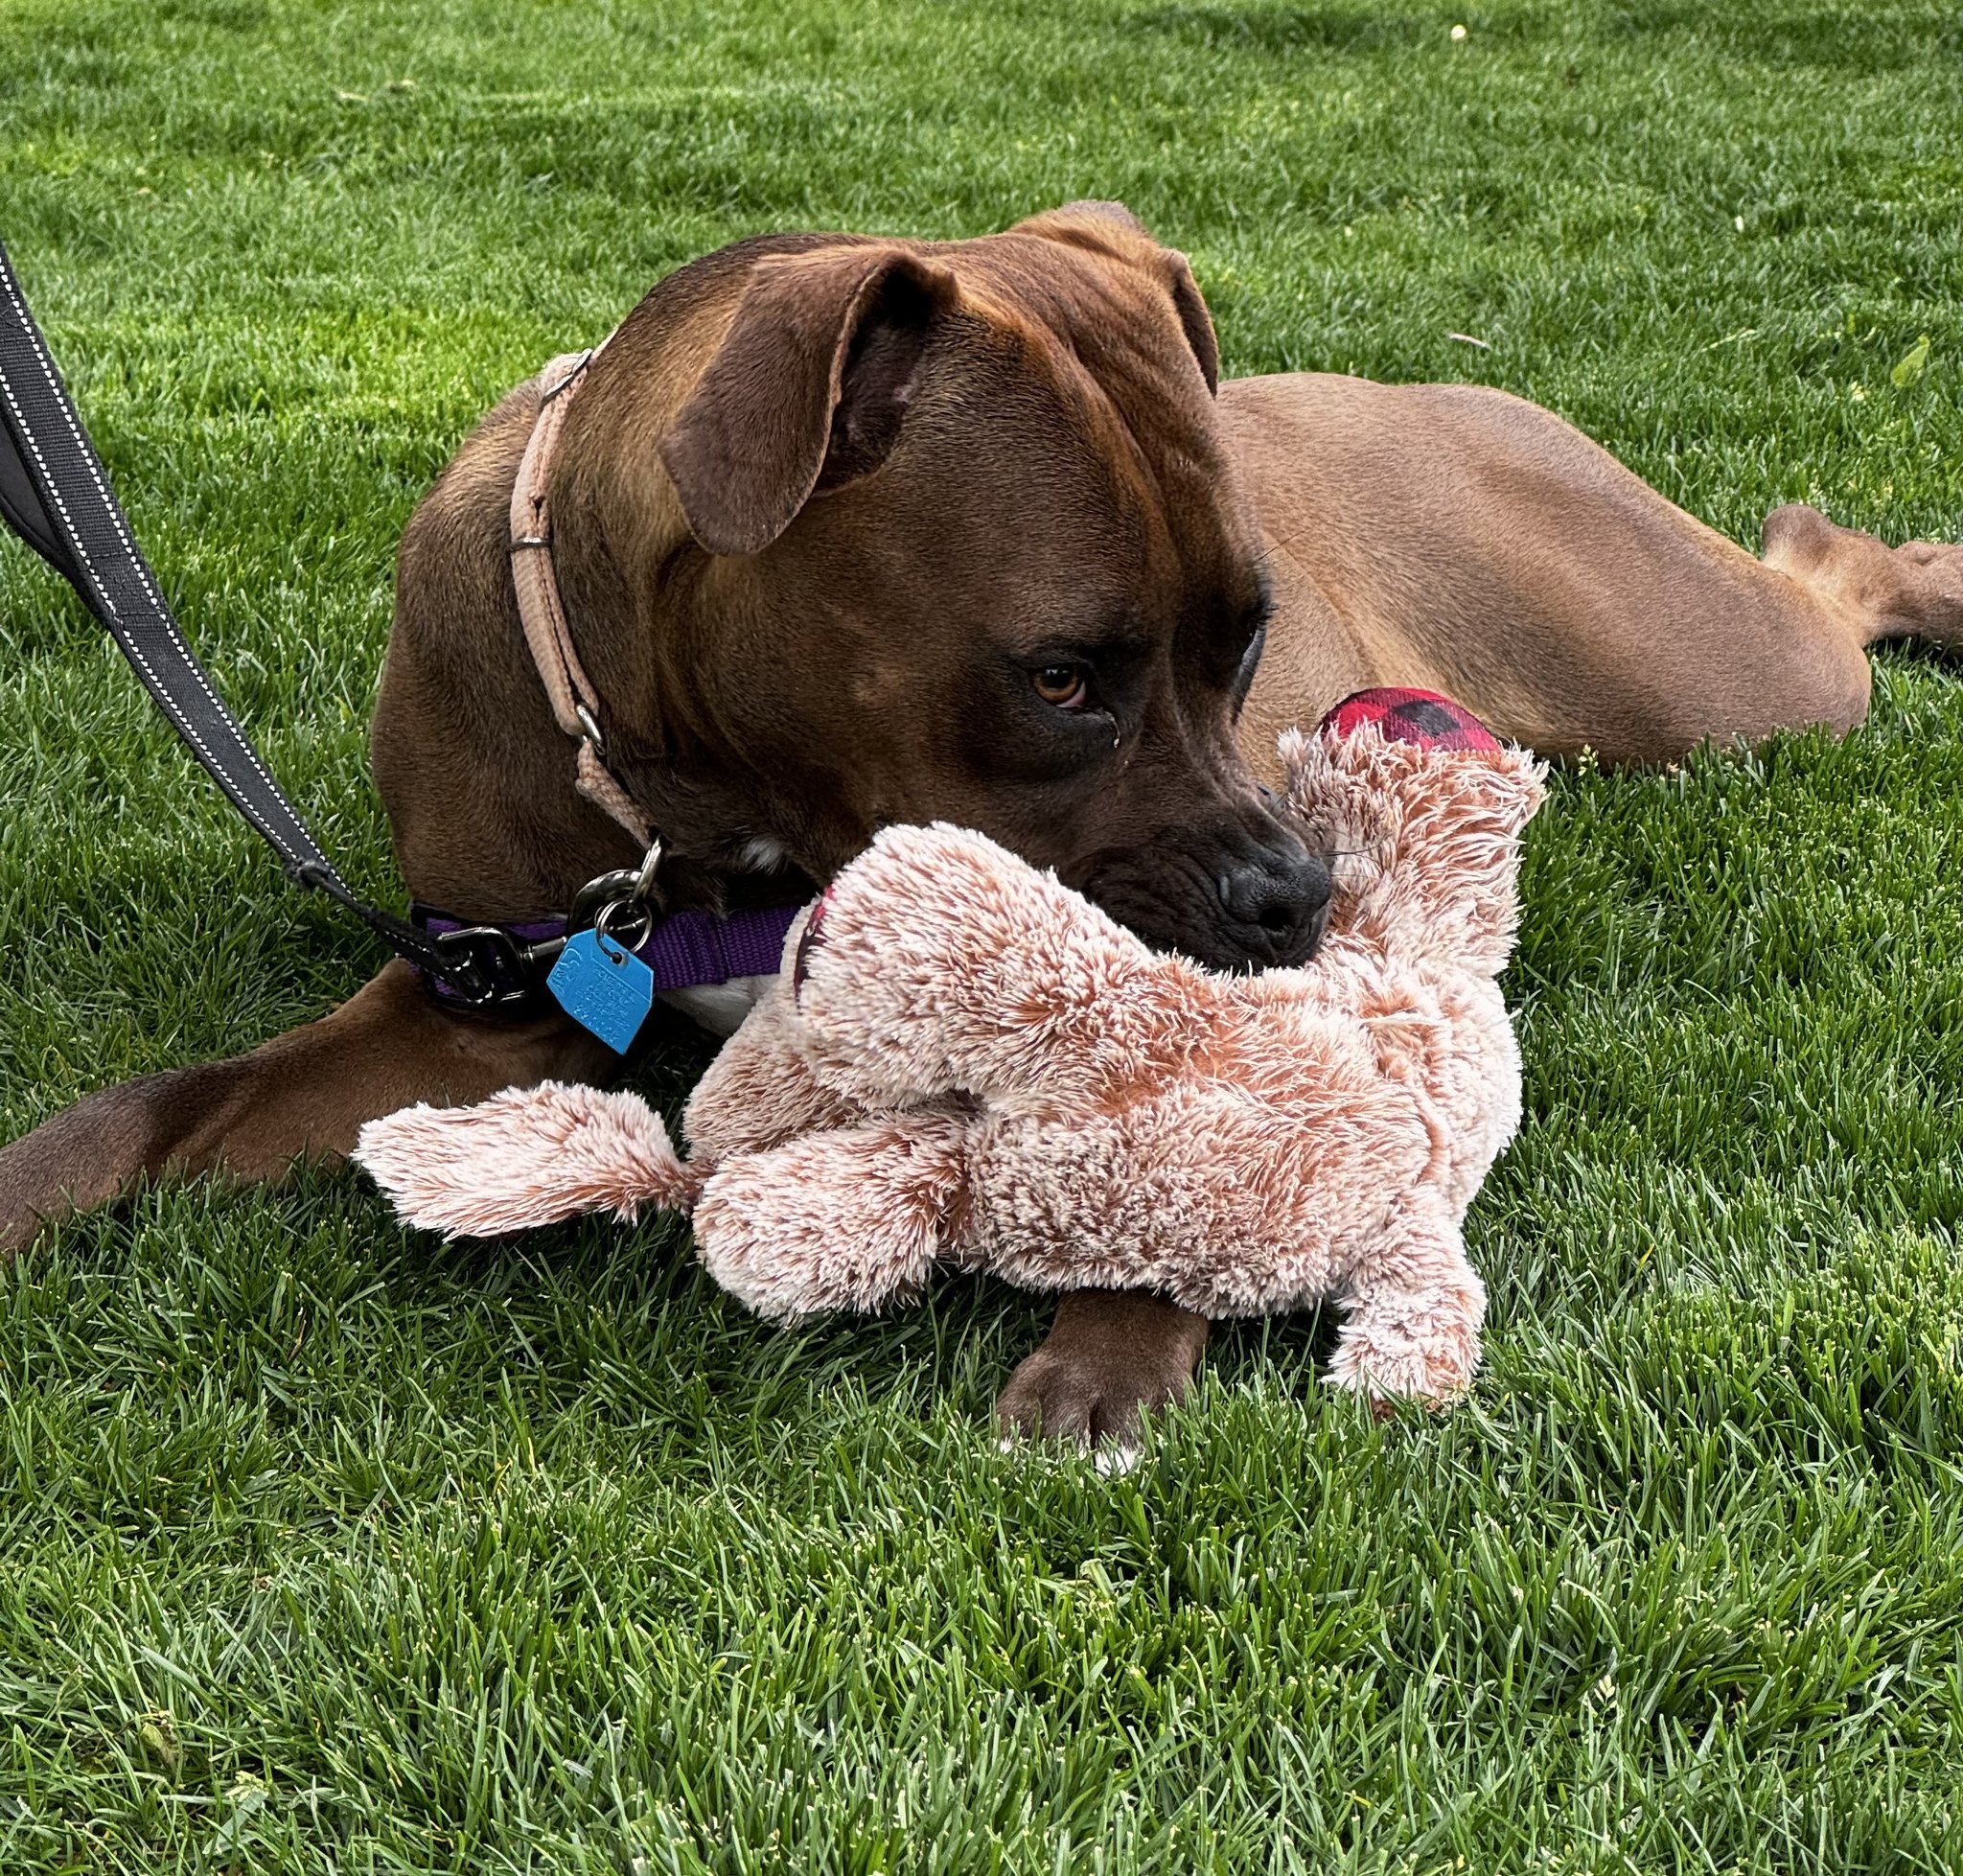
(325, 1548)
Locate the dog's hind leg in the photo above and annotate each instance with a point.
(302, 1096)
(1878, 591)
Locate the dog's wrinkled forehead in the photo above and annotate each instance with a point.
(1106, 233)
(793, 366)
(1124, 315)
(1114, 326)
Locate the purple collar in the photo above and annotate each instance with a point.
(685, 950)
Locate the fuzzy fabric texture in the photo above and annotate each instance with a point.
(527, 1157)
(965, 1062)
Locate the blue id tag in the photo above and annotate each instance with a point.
(603, 986)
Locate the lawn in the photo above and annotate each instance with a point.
(328, 1548)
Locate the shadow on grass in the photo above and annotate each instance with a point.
(570, 1299)
(1853, 39)
(624, 1318)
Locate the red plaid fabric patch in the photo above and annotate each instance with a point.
(1411, 716)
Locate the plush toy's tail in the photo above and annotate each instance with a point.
(529, 1156)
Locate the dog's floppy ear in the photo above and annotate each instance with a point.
(1194, 315)
(806, 391)
(1112, 228)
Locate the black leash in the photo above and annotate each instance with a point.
(56, 495)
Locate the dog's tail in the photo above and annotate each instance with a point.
(529, 1156)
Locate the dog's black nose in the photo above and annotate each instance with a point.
(1277, 905)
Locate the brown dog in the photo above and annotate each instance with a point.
(856, 531)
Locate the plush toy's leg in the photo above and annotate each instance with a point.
(1412, 1308)
(760, 1091)
(1429, 836)
(844, 1220)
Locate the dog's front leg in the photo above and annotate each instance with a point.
(1111, 1357)
(302, 1096)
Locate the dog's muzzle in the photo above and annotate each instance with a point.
(1275, 909)
(1233, 897)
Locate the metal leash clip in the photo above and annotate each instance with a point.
(486, 967)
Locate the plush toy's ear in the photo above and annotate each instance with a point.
(529, 1156)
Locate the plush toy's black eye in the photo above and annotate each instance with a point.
(1065, 686)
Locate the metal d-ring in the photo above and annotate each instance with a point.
(651, 863)
(632, 908)
(624, 885)
(638, 903)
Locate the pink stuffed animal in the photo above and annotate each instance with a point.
(965, 1062)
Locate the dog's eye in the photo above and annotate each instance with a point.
(1065, 686)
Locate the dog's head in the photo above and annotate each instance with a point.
(925, 532)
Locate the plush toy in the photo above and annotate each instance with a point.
(964, 1062)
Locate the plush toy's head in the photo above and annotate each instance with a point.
(1423, 808)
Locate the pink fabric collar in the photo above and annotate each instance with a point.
(575, 703)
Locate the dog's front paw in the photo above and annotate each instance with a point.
(1113, 1356)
